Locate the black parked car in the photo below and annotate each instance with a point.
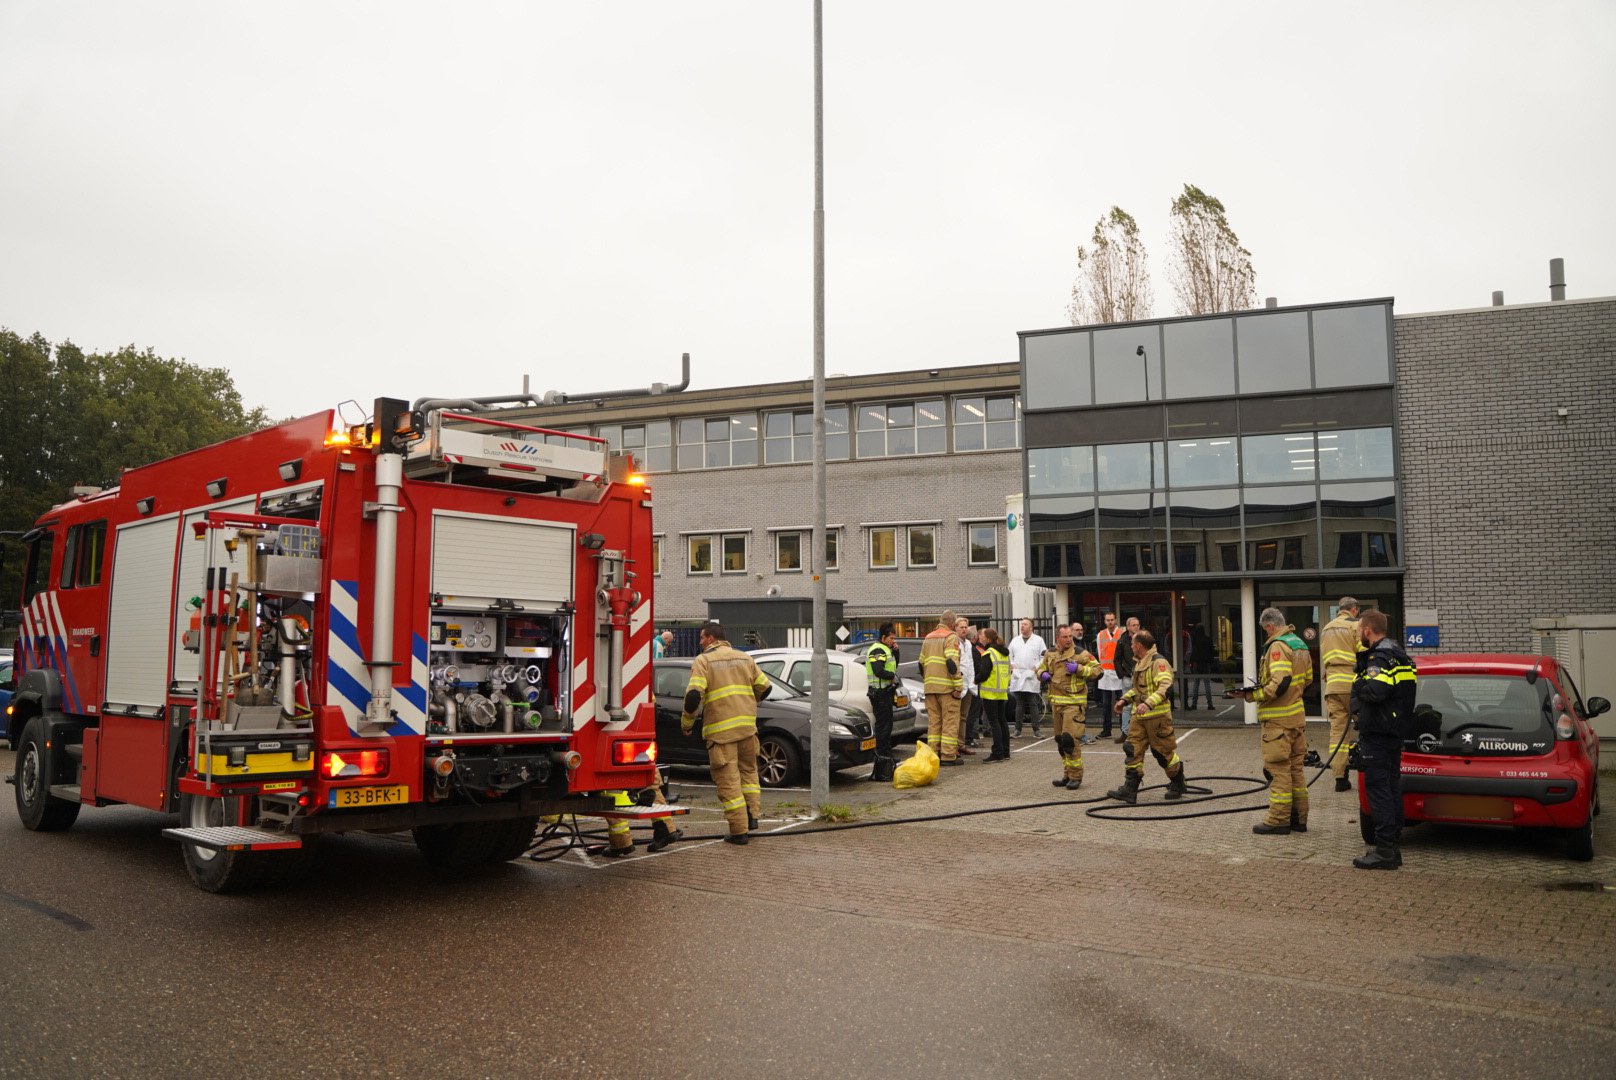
(783, 731)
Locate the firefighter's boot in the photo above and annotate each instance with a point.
(1176, 787)
(1384, 857)
(662, 835)
(1066, 745)
(1129, 791)
(1297, 824)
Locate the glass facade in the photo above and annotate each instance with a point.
(1274, 451)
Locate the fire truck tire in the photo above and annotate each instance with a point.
(218, 871)
(474, 843)
(36, 806)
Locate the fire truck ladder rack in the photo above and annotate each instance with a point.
(457, 442)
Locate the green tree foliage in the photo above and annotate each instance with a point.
(1113, 276)
(75, 418)
(1211, 271)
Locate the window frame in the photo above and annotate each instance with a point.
(886, 428)
(690, 555)
(723, 552)
(656, 556)
(701, 445)
(872, 531)
(909, 534)
(796, 536)
(970, 543)
(958, 401)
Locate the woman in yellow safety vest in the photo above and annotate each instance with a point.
(995, 691)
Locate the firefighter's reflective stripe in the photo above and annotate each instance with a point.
(939, 649)
(1152, 679)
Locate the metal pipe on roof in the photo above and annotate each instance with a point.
(1556, 279)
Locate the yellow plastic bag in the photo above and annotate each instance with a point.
(917, 771)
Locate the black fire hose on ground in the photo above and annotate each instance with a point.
(576, 837)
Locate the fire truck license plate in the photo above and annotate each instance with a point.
(370, 796)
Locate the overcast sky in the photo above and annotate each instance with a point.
(347, 200)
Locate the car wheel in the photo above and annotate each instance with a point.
(778, 760)
(39, 810)
(1580, 842)
(1366, 827)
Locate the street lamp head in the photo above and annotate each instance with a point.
(1140, 351)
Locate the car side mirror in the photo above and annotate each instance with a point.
(1598, 706)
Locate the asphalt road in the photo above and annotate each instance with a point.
(992, 946)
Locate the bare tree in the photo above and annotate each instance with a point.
(1211, 271)
(1113, 281)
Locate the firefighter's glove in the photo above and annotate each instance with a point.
(1071, 667)
(687, 723)
(1043, 676)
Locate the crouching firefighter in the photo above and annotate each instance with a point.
(1152, 723)
(1383, 701)
(1283, 674)
(881, 670)
(725, 687)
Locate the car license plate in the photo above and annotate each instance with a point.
(1470, 807)
(867, 744)
(392, 795)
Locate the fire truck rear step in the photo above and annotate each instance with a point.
(235, 838)
(642, 813)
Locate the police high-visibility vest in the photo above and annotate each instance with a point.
(996, 687)
(1107, 644)
(878, 654)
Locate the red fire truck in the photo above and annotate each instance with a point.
(430, 621)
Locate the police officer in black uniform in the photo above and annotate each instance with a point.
(1383, 700)
(881, 669)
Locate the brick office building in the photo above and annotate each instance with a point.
(1464, 490)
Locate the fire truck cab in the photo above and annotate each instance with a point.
(431, 621)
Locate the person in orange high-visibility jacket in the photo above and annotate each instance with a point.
(1152, 726)
(940, 667)
(1283, 674)
(1066, 670)
(725, 687)
(1338, 656)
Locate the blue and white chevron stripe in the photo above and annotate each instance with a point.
(347, 681)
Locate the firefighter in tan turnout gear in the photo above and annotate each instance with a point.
(940, 667)
(725, 686)
(1152, 725)
(1066, 671)
(1285, 671)
(1338, 655)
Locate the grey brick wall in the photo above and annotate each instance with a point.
(915, 489)
(1509, 510)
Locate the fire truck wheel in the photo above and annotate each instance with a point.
(218, 871)
(474, 843)
(39, 809)
(779, 760)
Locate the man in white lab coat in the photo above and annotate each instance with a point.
(1026, 653)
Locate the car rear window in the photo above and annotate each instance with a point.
(802, 671)
(1483, 703)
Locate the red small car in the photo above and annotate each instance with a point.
(1504, 740)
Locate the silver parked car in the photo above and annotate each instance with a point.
(849, 685)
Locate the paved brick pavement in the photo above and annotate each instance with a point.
(1487, 920)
